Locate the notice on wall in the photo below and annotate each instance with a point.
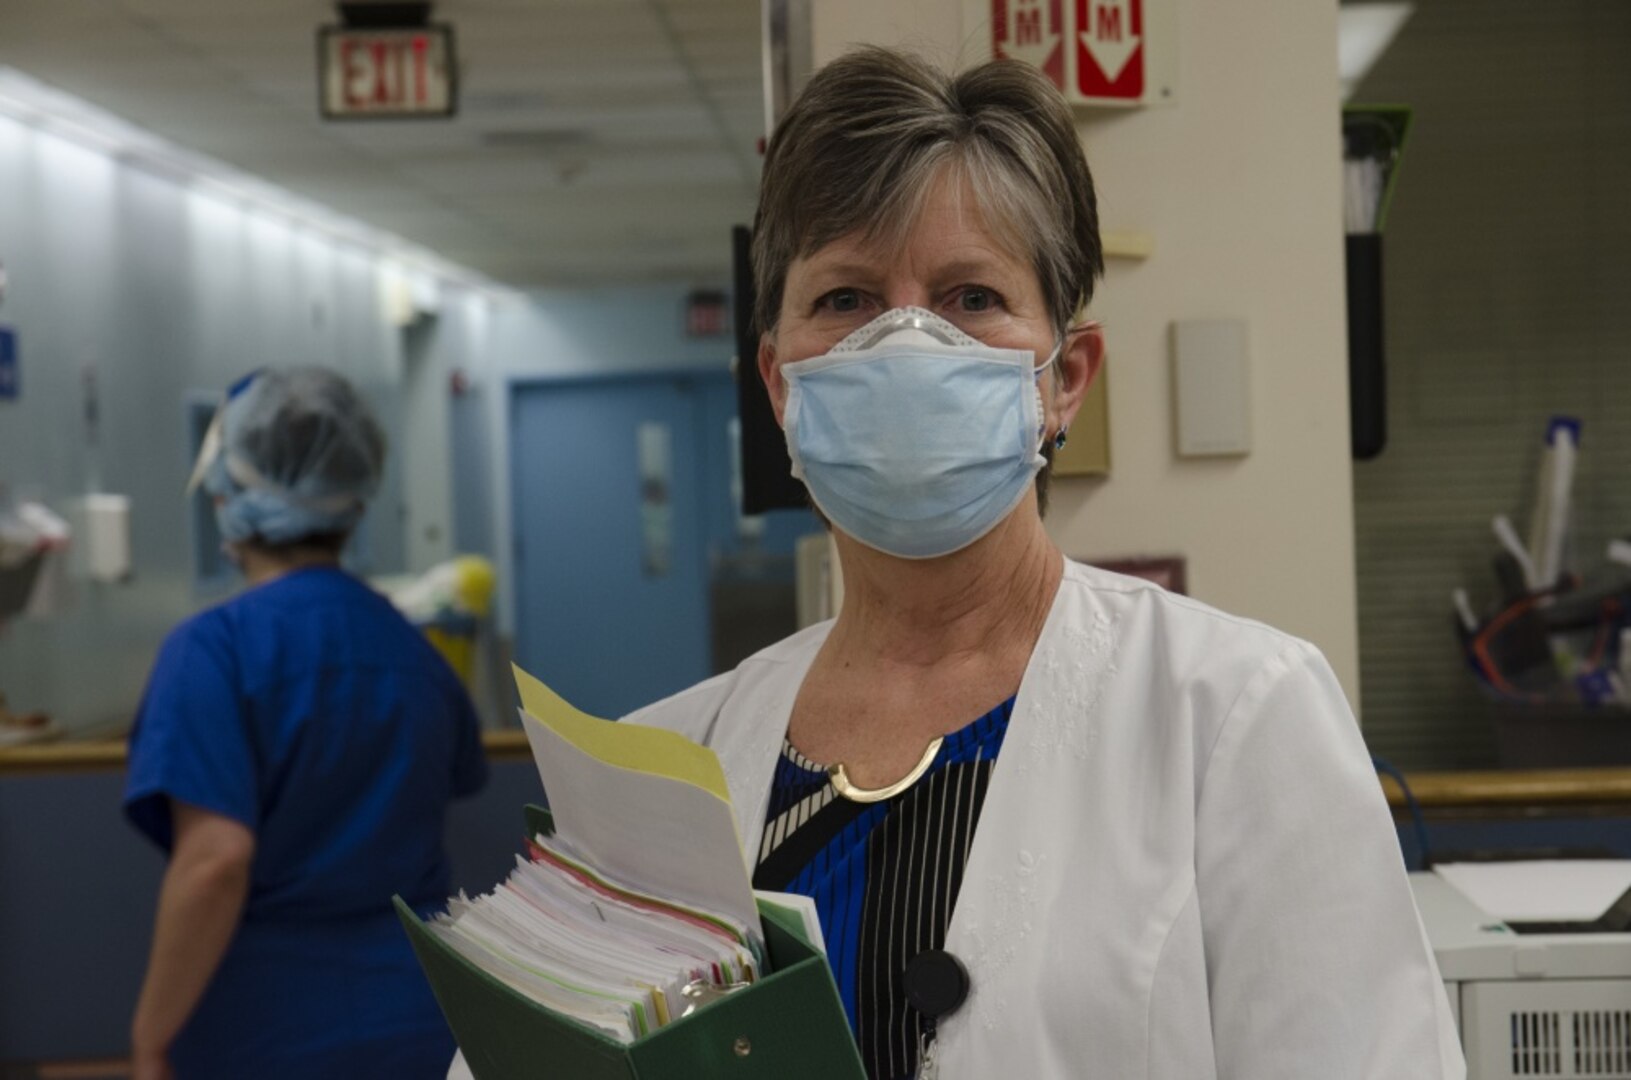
(1032, 31)
(1110, 44)
(9, 388)
(656, 460)
(1097, 52)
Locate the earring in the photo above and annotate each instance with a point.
(1059, 440)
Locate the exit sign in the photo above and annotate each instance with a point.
(385, 74)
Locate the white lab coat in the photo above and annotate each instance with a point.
(1184, 868)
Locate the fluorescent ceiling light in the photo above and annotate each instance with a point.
(48, 109)
(1364, 31)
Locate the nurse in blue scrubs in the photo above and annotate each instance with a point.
(295, 754)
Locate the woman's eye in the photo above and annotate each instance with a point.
(975, 300)
(841, 300)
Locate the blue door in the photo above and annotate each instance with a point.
(625, 527)
(612, 603)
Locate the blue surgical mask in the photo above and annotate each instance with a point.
(913, 437)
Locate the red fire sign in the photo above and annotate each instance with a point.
(1110, 53)
(1032, 31)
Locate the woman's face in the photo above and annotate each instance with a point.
(950, 265)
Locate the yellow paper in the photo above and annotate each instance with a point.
(626, 746)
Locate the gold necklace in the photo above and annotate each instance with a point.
(841, 782)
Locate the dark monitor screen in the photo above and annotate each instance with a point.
(767, 472)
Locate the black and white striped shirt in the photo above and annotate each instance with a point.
(884, 875)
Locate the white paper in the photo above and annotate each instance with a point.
(654, 833)
(1542, 890)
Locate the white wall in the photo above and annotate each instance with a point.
(165, 291)
(1239, 184)
(456, 339)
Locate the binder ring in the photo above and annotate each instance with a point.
(700, 992)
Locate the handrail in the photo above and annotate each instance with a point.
(1502, 788)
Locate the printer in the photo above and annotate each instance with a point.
(1536, 959)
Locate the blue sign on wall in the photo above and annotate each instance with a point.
(8, 364)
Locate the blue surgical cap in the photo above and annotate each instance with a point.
(299, 455)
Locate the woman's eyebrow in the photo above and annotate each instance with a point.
(975, 269)
(830, 275)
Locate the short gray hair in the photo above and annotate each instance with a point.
(865, 140)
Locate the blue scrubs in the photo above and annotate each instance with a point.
(309, 710)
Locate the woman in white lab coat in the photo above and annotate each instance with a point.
(1148, 830)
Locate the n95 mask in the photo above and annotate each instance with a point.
(913, 437)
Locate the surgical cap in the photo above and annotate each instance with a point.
(299, 455)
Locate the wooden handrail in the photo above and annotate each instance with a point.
(72, 755)
(1495, 788)
(1514, 787)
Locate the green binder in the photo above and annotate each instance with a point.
(790, 1025)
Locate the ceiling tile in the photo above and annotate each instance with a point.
(598, 140)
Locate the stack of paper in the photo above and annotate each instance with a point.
(619, 961)
(639, 904)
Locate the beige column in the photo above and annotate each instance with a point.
(1238, 184)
